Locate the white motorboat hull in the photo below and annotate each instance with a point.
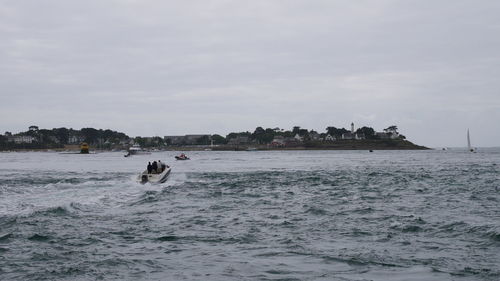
(137, 150)
(144, 177)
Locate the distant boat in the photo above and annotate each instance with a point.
(469, 147)
(84, 148)
(182, 157)
(136, 150)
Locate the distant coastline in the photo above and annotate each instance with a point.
(63, 139)
(339, 145)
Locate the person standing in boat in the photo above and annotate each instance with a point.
(161, 167)
(155, 167)
(150, 168)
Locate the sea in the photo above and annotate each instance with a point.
(252, 215)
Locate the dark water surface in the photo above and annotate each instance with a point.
(302, 215)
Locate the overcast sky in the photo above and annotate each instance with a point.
(182, 67)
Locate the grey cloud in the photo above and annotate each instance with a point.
(220, 66)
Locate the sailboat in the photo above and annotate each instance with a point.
(469, 147)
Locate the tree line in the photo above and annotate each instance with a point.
(105, 139)
(58, 137)
(265, 136)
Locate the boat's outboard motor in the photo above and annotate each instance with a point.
(144, 179)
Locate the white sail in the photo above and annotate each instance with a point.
(469, 147)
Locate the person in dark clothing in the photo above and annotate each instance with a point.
(150, 167)
(154, 166)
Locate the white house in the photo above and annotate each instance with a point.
(330, 138)
(22, 139)
(348, 136)
(392, 132)
(278, 141)
(387, 135)
(314, 135)
(359, 136)
(75, 139)
(298, 137)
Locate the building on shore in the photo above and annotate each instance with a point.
(387, 135)
(278, 141)
(239, 140)
(74, 139)
(21, 139)
(330, 138)
(174, 140)
(353, 135)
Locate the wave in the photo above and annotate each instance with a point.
(462, 228)
(27, 216)
(146, 197)
(57, 211)
(316, 211)
(5, 237)
(39, 237)
(494, 235)
(246, 238)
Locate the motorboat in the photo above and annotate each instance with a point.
(136, 149)
(182, 157)
(162, 177)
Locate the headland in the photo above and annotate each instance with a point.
(60, 139)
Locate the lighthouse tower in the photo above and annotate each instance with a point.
(352, 127)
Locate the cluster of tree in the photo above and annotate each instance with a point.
(58, 137)
(265, 136)
(94, 136)
(150, 142)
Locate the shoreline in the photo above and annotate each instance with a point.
(338, 145)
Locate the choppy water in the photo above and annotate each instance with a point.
(302, 215)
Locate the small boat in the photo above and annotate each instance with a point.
(136, 150)
(182, 157)
(162, 177)
(84, 148)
